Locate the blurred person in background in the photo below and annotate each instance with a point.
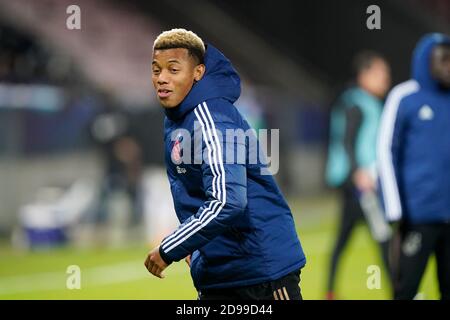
(237, 231)
(414, 163)
(250, 108)
(351, 164)
(112, 129)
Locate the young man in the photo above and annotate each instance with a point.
(235, 222)
(414, 161)
(352, 161)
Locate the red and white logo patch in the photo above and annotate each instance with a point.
(177, 151)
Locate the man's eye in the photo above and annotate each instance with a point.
(156, 71)
(174, 70)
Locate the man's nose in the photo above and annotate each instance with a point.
(163, 77)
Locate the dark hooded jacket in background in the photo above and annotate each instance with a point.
(414, 144)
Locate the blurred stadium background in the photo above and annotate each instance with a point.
(81, 165)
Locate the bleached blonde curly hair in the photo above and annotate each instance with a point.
(181, 38)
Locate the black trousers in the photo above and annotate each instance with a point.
(414, 246)
(351, 213)
(285, 288)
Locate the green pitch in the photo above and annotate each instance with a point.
(120, 273)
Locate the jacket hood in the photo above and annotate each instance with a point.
(422, 58)
(219, 81)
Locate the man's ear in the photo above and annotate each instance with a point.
(199, 71)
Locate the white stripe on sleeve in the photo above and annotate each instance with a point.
(384, 152)
(214, 155)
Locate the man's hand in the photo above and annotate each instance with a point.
(363, 180)
(188, 260)
(155, 264)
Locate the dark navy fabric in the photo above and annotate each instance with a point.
(234, 220)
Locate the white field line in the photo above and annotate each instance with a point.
(316, 244)
(94, 276)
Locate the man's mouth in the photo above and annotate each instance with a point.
(164, 93)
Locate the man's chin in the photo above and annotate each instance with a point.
(167, 104)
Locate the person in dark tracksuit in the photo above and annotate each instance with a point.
(237, 231)
(414, 163)
(351, 163)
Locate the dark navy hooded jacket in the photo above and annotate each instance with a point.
(414, 144)
(234, 220)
